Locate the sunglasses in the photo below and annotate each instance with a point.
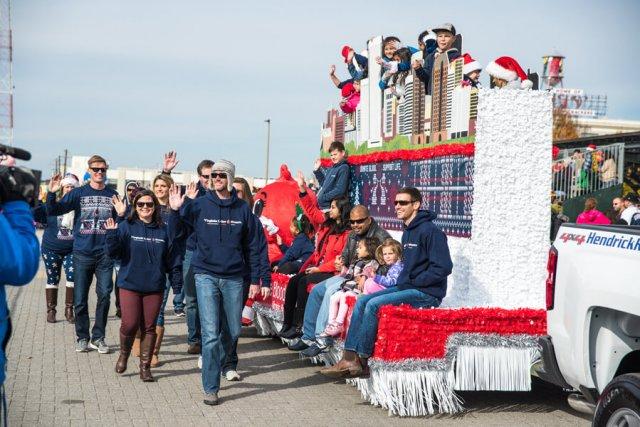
(403, 202)
(220, 175)
(145, 204)
(99, 170)
(206, 176)
(358, 221)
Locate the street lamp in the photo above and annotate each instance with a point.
(266, 170)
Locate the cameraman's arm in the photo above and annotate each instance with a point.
(64, 205)
(19, 245)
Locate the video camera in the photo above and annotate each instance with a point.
(18, 183)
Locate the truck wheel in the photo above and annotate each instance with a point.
(619, 403)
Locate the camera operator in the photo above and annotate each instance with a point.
(19, 249)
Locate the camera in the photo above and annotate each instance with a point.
(18, 183)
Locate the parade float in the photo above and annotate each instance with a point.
(480, 158)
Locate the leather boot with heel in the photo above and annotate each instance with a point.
(125, 350)
(68, 305)
(156, 348)
(146, 349)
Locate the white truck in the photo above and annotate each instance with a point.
(593, 321)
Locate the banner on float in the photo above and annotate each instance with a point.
(445, 182)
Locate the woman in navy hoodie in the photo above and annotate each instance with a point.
(144, 245)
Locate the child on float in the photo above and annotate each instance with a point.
(506, 73)
(389, 256)
(395, 80)
(357, 65)
(471, 71)
(445, 39)
(350, 97)
(352, 286)
(301, 248)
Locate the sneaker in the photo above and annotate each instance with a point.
(297, 345)
(179, 313)
(334, 329)
(211, 399)
(200, 362)
(232, 375)
(99, 345)
(82, 345)
(312, 351)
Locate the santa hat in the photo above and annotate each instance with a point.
(345, 52)
(470, 64)
(591, 147)
(347, 90)
(507, 68)
(70, 179)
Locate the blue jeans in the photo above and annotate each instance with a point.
(363, 326)
(191, 300)
(229, 345)
(178, 301)
(316, 313)
(217, 297)
(165, 298)
(85, 267)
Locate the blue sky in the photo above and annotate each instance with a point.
(132, 79)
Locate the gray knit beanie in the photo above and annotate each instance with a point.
(227, 167)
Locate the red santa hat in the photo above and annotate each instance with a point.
(345, 52)
(507, 68)
(591, 147)
(470, 64)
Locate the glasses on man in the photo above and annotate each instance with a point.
(144, 204)
(358, 221)
(220, 175)
(99, 170)
(206, 176)
(403, 202)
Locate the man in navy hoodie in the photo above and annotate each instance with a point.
(93, 205)
(335, 182)
(226, 235)
(422, 283)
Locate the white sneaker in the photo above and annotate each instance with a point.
(200, 362)
(232, 375)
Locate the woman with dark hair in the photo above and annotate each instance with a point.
(144, 244)
(333, 230)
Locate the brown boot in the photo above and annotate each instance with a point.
(125, 350)
(68, 305)
(51, 295)
(146, 349)
(156, 349)
(348, 366)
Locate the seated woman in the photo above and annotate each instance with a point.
(333, 230)
(422, 282)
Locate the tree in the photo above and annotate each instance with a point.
(564, 126)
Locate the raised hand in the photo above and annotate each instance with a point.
(332, 70)
(54, 183)
(192, 190)
(118, 205)
(170, 161)
(175, 198)
(379, 60)
(278, 239)
(302, 185)
(317, 164)
(110, 224)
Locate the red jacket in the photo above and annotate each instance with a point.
(328, 246)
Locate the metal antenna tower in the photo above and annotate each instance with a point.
(6, 74)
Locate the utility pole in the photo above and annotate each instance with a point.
(266, 171)
(64, 169)
(6, 74)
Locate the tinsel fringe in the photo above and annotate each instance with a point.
(410, 393)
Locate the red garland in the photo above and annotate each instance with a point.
(408, 333)
(409, 155)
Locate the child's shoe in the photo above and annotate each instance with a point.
(334, 329)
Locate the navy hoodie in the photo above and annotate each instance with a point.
(92, 209)
(225, 231)
(191, 239)
(56, 238)
(299, 251)
(146, 255)
(425, 255)
(334, 184)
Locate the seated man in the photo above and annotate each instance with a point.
(422, 283)
(316, 311)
